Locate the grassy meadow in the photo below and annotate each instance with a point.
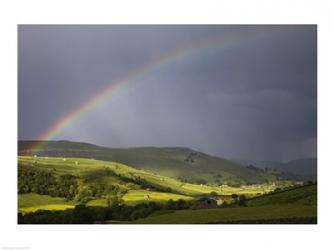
(32, 202)
(300, 196)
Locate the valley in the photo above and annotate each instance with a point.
(52, 188)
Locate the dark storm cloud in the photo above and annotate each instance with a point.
(256, 99)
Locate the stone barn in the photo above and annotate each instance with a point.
(206, 202)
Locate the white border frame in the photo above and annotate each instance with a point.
(162, 12)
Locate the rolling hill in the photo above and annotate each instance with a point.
(180, 163)
(54, 183)
(54, 189)
(96, 173)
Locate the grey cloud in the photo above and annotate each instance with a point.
(255, 100)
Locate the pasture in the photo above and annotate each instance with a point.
(32, 202)
(134, 197)
(220, 215)
(306, 195)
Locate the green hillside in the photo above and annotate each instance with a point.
(179, 163)
(95, 173)
(306, 195)
(228, 215)
(133, 197)
(51, 183)
(32, 202)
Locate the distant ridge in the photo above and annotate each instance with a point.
(304, 168)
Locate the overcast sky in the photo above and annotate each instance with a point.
(255, 98)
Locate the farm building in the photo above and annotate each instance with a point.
(206, 202)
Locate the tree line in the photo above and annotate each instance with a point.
(66, 185)
(46, 183)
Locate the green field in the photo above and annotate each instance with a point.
(32, 202)
(301, 196)
(133, 197)
(137, 196)
(221, 215)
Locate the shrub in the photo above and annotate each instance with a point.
(213, 194)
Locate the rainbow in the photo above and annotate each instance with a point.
(107, 92)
